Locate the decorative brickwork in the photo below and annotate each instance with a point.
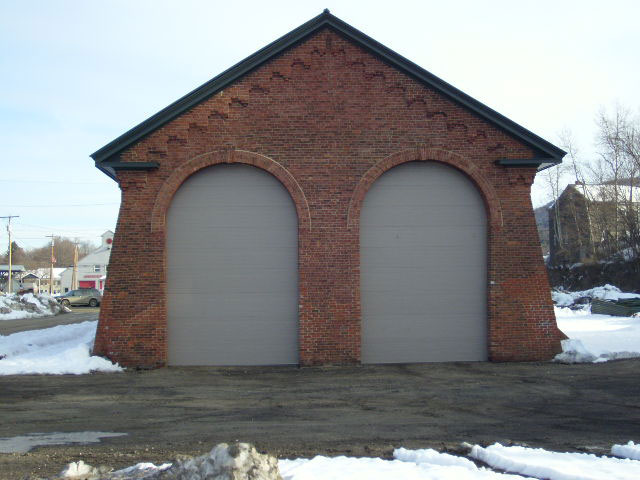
(326, 118)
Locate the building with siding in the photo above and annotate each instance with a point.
(92, 269)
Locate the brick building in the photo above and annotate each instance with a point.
(326, 201)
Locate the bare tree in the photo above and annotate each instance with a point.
(599, 216)
(553, 179)
(64, 247)
(580, 212)
(617, 172)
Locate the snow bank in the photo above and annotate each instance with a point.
(540, 463)
(436, 466)
(431, 465)
(606, 292)
(630, 450)
(58, 350)
(81, 471)
(597, 338)
(433, 457)
(15, 307)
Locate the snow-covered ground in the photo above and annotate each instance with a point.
(595, 337)
(543, 464)
(15, 307)
(519, 463)
(57, 350)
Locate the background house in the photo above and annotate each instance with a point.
(38, 279)
(92, 269)
(16, 273)
(590, 223)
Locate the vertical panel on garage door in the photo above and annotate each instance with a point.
(423, 267)
(232, 274)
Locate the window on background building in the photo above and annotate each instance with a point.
(96, 268)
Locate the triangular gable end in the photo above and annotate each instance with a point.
(107, 158)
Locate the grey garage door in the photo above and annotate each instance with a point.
(232, 270)
(423, 267)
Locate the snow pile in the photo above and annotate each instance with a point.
(630, 450)
(57, 350)
(408, 465)
(79, 469)
(574, 352)
(597, 338)
(236, 461)
(143, 468)
(540, 463)
(606, 292)
(82, 471)
(14, 306)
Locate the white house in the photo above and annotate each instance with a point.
(38, 280)
(92, 269)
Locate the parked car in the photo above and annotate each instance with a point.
(82, 296)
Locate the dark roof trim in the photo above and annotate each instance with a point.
(541, 163)
(552, 153)
(111, 167)
(131, 165)
(522, 162)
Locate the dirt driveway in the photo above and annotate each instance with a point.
(300, 412)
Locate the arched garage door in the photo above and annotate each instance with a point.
(423, 267)
(232, 275)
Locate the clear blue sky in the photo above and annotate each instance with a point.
(77, 74)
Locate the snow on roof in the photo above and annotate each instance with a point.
(609, 192)
(44, 272)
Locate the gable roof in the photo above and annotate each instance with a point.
(107, 158)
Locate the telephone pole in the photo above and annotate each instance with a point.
(53, 260)
(9, 217)
(74, 276)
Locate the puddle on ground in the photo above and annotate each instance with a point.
(25, 443)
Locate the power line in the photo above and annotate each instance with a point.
(4, 180)
(65, 206)
(49, 228)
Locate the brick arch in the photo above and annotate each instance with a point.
(459, 162)
(184, 171)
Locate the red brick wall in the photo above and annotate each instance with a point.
(326, 118)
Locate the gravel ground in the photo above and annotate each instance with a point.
(293, 412)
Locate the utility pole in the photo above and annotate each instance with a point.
(9, 232)
(74, 275)
(53, 260)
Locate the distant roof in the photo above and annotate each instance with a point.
(107, 158)
(45, 271)
(14, 268)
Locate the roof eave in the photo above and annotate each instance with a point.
(541, 163)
